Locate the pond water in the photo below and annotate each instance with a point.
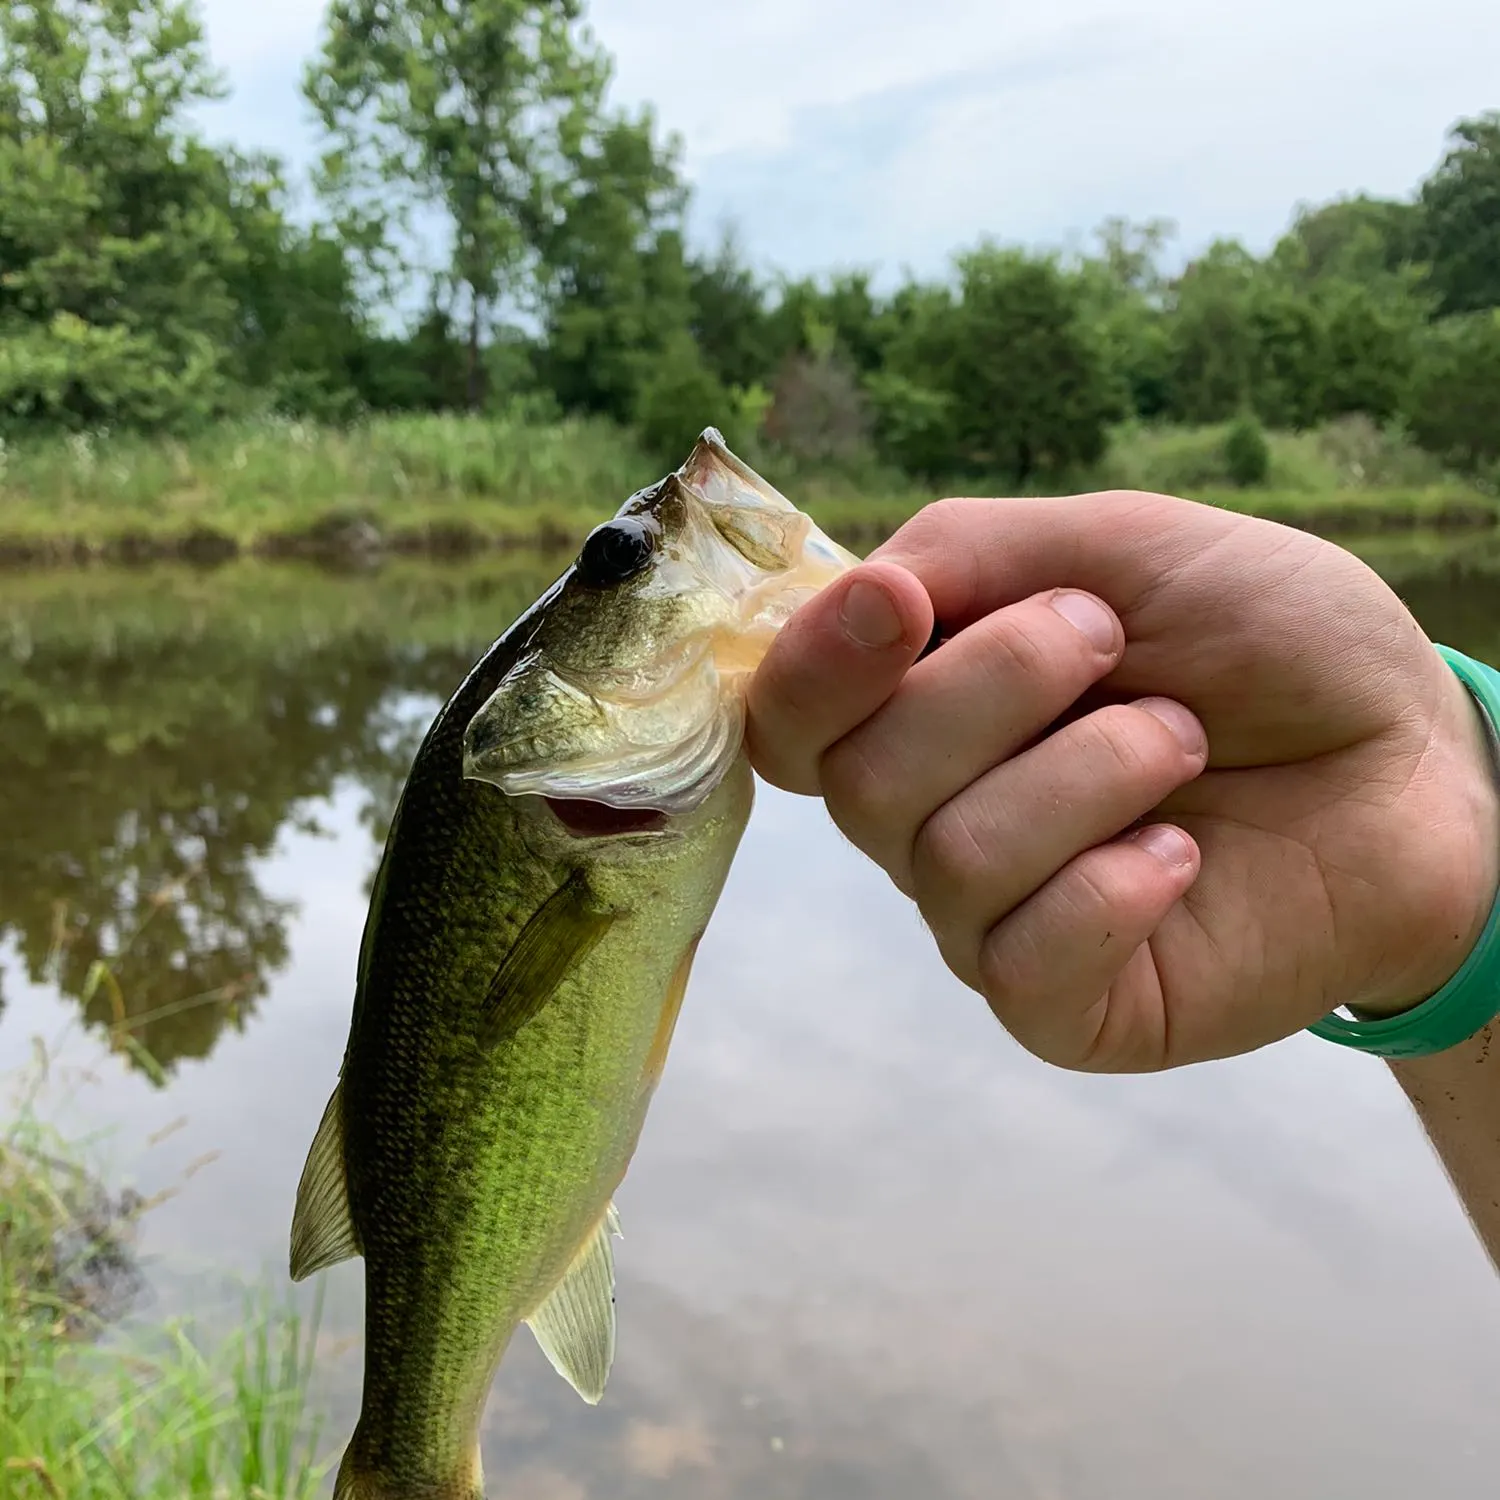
(872, 1248)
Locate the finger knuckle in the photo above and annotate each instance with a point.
(951, 852)
(932, 532)
(1018, 961)
(857, 786)
(1016, 982)
(937, 519)
(1010, 976)
(1015, 653)
(1125, 744)
(1087, 895)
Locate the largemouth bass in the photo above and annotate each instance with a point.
(557, 851)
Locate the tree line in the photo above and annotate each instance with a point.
(150, 279)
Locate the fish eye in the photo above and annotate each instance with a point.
(615, 551)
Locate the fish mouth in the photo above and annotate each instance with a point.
(598, 820)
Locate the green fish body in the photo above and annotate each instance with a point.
(562, 839)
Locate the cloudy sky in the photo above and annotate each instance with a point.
(883, 133)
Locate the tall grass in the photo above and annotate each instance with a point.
(247, 480)
(436, 481)
(1350, 454)
(87, 1414)
(412, 478)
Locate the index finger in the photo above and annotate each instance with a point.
(833, 664)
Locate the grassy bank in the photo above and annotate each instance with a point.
(404, 484)
(445, 484)
(85, 1415)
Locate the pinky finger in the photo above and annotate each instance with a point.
(1067, 973)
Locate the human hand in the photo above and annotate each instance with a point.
(1249, 792)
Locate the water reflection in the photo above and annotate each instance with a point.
(872, 1249)
(161, 731)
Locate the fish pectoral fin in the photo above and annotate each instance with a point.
(561, 933)
(575, 1326)
(322, 1231)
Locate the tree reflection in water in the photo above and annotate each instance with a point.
(160, 730)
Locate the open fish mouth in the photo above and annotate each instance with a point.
(586, 819)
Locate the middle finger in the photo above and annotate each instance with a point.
(991, 690)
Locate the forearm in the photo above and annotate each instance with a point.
(1457, 1098)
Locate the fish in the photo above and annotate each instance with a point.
(559, 845)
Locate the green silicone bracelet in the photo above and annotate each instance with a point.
(1471, 999)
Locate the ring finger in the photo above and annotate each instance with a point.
(980, 855)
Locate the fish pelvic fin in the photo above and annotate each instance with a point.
(560, 935)
(575, 1326)
(355, 1482)
(322, 1231)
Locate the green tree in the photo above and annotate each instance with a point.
(1010, 368)
(1372, 331)
(475, 111)
(1212, 337)
(678, 397)
(1359, 261)
(422, 370)
(1454, 407)
(730, 319)
(843, 313)
(616, 287)
(301, 334)
(916, 410)
(117, 239)
(1289, 370)
(1246, 333)
(1124, 293)
(1461, 217)
(1359, 238)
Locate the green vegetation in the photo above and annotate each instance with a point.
(428, 483)
(447, 483)
(86, 1414)
(224, 368)
(1247, 454)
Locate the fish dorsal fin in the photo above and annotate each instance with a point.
(575, 1326)
(560, 935)
(322, 1231)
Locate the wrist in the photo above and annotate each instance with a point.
(1454, 985)
(1481, 755)
(1474, 770)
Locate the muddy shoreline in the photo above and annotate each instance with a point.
(352, 537)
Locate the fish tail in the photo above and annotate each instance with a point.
(356, 1482)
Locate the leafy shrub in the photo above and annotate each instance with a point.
(1247, 454)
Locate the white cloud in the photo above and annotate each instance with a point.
(878, 131)
(741, 81)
